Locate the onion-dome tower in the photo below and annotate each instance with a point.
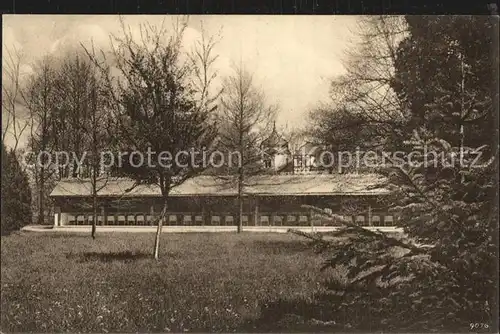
(275, 151)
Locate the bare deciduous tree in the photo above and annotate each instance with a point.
(363, 101)
(40, 97)
(83, 122)
(14, 124)
(245, 119)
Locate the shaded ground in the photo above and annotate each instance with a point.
(203, 282)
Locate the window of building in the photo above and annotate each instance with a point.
(267, 163)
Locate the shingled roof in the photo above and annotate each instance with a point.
(263, 185)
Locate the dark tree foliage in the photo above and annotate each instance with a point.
(16, 194)
(343, 130)
(441, 274)
(449, 61)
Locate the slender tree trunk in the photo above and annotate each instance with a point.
(41, 207)
(94, 220)
(95, 171)
(159, 228)
(461, 125)
(240, 202)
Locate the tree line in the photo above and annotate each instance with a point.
(150, 93)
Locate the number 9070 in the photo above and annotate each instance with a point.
(478, 325)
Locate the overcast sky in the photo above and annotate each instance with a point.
(292, 57)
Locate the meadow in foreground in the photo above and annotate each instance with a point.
(202, 282)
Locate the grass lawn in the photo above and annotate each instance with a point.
(202, 282)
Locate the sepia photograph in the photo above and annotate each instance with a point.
(249, 173)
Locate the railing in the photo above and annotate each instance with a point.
(225, 219)
(140, 219)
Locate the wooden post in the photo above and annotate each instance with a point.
(309, 217)
(152, 212)
(103, 215)
(369, 215)
(203, 213)
(256, 212)
(57, 216)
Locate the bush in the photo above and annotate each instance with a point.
(16, 194)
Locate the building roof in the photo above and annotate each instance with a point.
(262, 185)
(274, 140)
(308, 148)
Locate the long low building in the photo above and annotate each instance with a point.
(269, 200)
